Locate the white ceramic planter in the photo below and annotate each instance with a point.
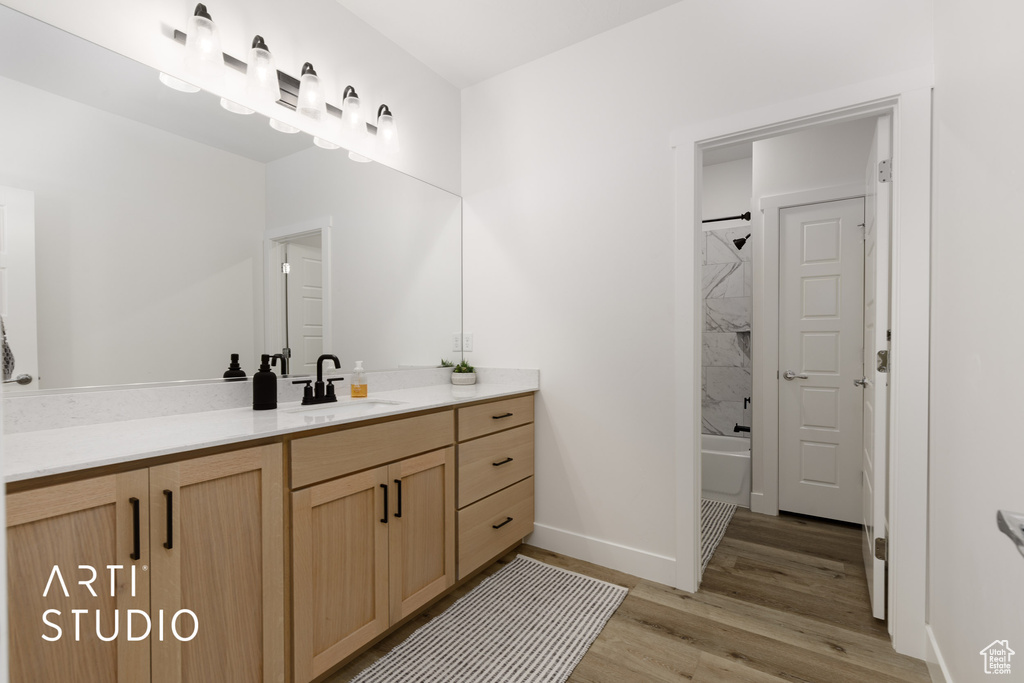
(463, 378)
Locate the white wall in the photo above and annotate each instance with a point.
(569, 234)
(820, 157)
(726, 191)
(976, 577)
(344, 50)
(396, 250)
(126, 266)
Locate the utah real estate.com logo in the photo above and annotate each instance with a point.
(997, 657)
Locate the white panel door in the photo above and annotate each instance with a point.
(305, 307)
(875, 385)
(18, 282)
(821, 329)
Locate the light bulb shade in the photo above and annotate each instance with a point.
(351, 114)
(311, 94)
(325, 144)
(234, 107)
(261, 82)
(355, 156)
(177, 83)
(203, 54)
(387, 131)
(283, 127)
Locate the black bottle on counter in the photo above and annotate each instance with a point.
(234, 371)
(264, 387)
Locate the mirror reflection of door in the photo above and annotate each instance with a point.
(18, 283)
(302, 298)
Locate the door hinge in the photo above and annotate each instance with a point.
(882, 549)
(883, 361)
(885, 171)
(286, 267)
(888, 335)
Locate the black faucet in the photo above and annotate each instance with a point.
(284, 363)
(318, 394)
(740, 428)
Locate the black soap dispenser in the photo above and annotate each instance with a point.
(234, 372)
(264, 387)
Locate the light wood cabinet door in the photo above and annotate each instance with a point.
(216, 542)
(339, 569)
(422, 530)
(91, 523)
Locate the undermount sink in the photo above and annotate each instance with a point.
(345, 406)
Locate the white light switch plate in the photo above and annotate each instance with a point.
(467, 341)
(456, 342)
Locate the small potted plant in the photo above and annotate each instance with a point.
(463, 373)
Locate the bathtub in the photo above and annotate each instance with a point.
(725, 469)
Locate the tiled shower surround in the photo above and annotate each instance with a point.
(725, 374)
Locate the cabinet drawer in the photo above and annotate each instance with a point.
(490, 464)
(479, 541)
(318, 458)
(485, 418)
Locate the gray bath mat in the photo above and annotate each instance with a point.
(714, 520)
(529, 623)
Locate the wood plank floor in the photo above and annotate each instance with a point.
(783, 599)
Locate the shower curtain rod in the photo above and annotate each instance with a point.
(742, 216)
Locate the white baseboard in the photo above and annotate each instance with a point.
(622, 558)
(933, 658)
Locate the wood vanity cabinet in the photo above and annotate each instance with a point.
(495, 459)
(203, 534)
(372, 547)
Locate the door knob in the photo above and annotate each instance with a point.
(862, 382)
(790, 375)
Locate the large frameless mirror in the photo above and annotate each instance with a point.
(160, 224)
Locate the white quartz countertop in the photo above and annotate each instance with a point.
(40, 453)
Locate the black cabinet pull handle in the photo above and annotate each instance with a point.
(136, 544)
(398, 483)
(498, 526)
(499, 464)
(501, 417)
(385, 518)
(169, 543)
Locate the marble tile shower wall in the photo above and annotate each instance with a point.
(725, 374)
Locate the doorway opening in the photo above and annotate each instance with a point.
(297, 294)
(805, 237)
(906, 497)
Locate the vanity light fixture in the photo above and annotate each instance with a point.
(387, 131)
(351, 116)
(311, 100)
(203, 55)
(265, 84)
(261, 83)
(354, 156)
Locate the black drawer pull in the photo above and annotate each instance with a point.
(136, 544)
(498, 526)
(385, 518)
(499, 464)
(170, 519)
(501, 417)
(398, 482)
